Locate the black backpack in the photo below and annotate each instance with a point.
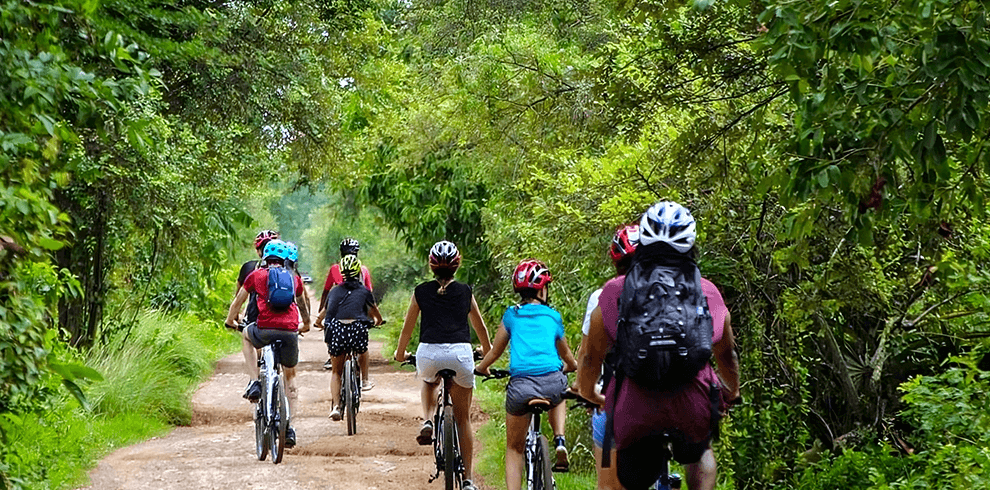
(664, 329)
(281, 286)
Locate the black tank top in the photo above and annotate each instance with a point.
(444, 317)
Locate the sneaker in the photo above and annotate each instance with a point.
(367, 385)
(561, 465)
(253, 391)
(290, 437)
(467, 485)
(425, 437)
(328, 365)
(336, 414)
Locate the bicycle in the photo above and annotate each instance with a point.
(446, 447)
(271, 413)
(350, 388)
(539, 467)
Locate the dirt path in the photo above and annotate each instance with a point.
(217, 450)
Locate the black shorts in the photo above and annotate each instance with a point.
(342, 338)
(288, 355)
(638, 466)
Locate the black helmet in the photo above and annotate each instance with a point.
(349, 246)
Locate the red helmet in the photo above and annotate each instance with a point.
(263, 237)
(624, 242)
(531, 273)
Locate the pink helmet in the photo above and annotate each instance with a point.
(263, 237)
(624, 242)
(531, 274)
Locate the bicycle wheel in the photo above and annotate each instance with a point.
(279, 421)
(350, 408)
(260, 441)
(541, 466)
(449, 436)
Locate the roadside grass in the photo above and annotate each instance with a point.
(149, 372)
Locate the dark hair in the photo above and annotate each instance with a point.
(528, 293)
(444, 272)
(622, 266)
(271, 259)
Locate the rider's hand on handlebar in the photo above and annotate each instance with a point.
(400, 356)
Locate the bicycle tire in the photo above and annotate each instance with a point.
(279, 421)
(449, 436)
(260, 441)
(543, 479)
(350, 410)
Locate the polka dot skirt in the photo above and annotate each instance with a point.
(346, 337)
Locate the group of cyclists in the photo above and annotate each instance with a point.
(539, 355)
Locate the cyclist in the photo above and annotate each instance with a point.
(621, 252)
(446, 307)
(640, 413)
(348, 246)
(350, 311)
(251, 312)
(302, 301)
(270, 326)
(534, 333)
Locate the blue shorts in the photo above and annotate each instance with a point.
(598, 427)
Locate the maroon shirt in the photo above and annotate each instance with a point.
(257, 282)
(640, 411)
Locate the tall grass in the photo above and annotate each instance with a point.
(149, 372)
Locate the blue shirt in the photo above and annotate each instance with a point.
(533, 333)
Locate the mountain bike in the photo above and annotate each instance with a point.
(539, 467)
(350, 388)
(271, 413)
(446, 446)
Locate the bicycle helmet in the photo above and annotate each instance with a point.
(531, 274)
(624, 242)
(670, 223)
(263, 237)
(349, 246)
(350, 267)
(275, 249)
(293, 252)
(444, 255)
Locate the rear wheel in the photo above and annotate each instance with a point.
(542, 467)
(449, 436)
(260, 441)
(350, 408)
(280, 421)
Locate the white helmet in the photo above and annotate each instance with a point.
(668, 222)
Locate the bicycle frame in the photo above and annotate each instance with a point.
(269, 411)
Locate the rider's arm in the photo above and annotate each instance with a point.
(375, 314)
(235, 308)
(727, 360)
(407, 329)
(498, 347)
(479, 326)
(592, 355)
(564, 351)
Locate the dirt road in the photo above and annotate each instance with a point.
(217, 450)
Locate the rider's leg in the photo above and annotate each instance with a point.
(290, 380)
(338, 368)
(608, 479)
(516, 427)
(558, 418)
(250, 355)
(702, 475)
(428, 395)
(461, 397)
(364, 360)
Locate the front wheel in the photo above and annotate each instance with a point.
(350, 405)
(541, 466)
(449, 436)
(260, 441)
(279, 420)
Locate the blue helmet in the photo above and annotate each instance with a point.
(293, 252)
(276, 249)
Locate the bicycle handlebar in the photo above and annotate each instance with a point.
(493, 374)
(579, 400)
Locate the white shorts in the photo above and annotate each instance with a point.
(431, 358)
